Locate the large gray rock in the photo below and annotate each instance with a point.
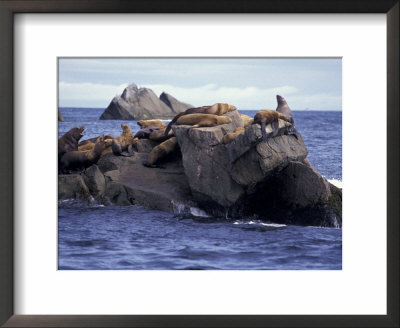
(224, 173)
(94, 180)
(174, 103)
(249, 176)
(141, 104)
(72, 186)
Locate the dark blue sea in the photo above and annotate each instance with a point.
(97, 237)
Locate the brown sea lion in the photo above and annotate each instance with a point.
(93, 140)
(69, 141)
(159, 135)
(284, 109)
(124, 142)
(78, 161)
(220, 109)
(193, 110)
(146, 123)
(145, 132)
(229, 137)
(216, 109)
(90, 146)
(160, 152)
(267, 116)
(119, 149)
(203, 120)
(247, 120)
(86, 146)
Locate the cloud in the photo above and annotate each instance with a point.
(100, 95)
(88, 92)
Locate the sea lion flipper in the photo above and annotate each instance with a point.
(275, 128)
(264, 134)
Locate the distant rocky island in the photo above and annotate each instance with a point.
(142, 104)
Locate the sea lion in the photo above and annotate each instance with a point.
(146, 123)
(145, 132)
(193, 110)
(247, 120)
(78, 161)
(86, 146)
(220, 109)
(203, 120)
(69, 141)
(93, 140)
(229, 137)
(216, 109)
(160, 152)
(266, 116)
(284, 109)
(90, 145)
(159, 135)
(119, 149)
(124, 142)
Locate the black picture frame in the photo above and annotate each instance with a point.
(10, 7)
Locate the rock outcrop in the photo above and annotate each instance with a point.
(142, 104)
(60, 118)
(247, 177)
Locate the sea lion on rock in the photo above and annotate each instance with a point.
(193, 110)
(93, 140)
(203, 120)
(160, 152)
(69, 141)
(124, 142)
(90, 145)
(216, 109)
(86, 146)
(159, 135)
(267, 116)
(220, 109)
(229, 137)
(145, 132)
(247, 120)
(284, 109)
(79, 161)
(146, 123)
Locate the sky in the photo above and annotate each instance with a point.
(247, 83)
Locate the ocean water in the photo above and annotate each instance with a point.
(97, 237)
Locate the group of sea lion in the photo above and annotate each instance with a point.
(264, 117)
(74, 155)
(71, 158)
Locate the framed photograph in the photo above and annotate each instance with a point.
(199, 173)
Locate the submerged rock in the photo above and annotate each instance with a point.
(142, 104)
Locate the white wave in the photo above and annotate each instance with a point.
(273, 225)
(337, 183)
(198, 212)
(178, 208)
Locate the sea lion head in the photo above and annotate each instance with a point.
(280, 99)
(126, 130)
(224, 120)
(77, 132)
(231, 108)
